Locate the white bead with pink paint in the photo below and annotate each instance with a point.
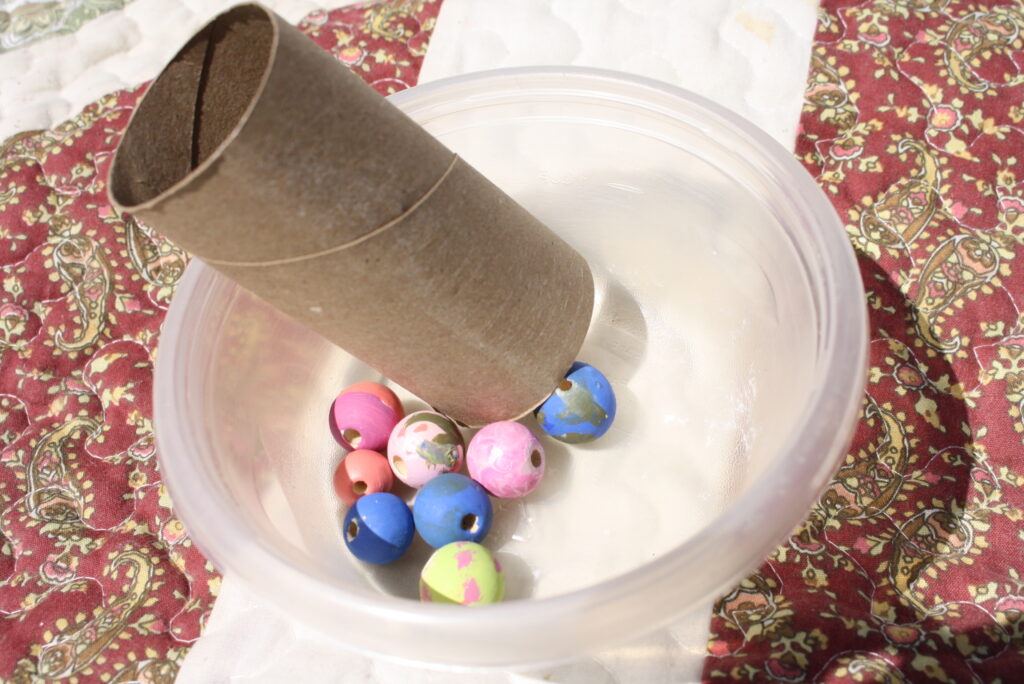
(424, 445)
(507, 459)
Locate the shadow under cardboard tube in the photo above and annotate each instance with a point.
(617, 339)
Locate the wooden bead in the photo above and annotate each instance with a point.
(506, 458)
(582, 407)
(452, 507)
(382, 392)
(463, 573)
(378, 528)
(424, 445)
(364, 419)
(362, 472)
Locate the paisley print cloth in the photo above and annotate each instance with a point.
(98, 580)
(909, 568)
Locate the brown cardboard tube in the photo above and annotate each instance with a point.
(261, 154)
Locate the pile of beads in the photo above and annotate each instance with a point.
(451, 512)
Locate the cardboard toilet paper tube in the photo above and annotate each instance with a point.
(264, 156)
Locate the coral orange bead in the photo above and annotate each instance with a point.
(362, 472)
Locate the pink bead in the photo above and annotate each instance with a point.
(506, 458)
(387, 397)
(362, 472)
(359, 420)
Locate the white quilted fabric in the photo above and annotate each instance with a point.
(47, 81)
(247, 641)
(749, 55)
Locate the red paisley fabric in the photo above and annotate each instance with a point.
(909, 568)
(98, 580)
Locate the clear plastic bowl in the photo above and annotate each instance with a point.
(729, 317)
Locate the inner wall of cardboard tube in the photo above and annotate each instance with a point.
(223, 94)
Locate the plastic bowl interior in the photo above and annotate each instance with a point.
(729, 318)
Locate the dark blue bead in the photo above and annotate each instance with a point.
(452, 508)
(378, 528)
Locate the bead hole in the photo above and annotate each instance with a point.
(359, 487)
(565, 385)
(535, 459)
(398, 464)
(352, 437)
(353, 530)
(470, 523)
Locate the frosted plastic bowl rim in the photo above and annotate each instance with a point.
(770, 510)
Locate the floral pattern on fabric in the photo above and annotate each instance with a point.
(909, 567)
(98, 580)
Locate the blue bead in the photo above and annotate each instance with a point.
(582, 407)
(452, 508)
(378, 528)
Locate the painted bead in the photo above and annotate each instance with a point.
(582, 407)
(378, 528)
(464, 573)
(362, 417)
(382, 392)
(424, 445)
(362, 472)
(506, 458)
(450, 508)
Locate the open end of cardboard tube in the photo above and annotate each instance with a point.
(198, 102)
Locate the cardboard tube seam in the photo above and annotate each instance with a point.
(204, 75)
(345, 245)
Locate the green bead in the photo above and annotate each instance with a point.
(462, 572)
